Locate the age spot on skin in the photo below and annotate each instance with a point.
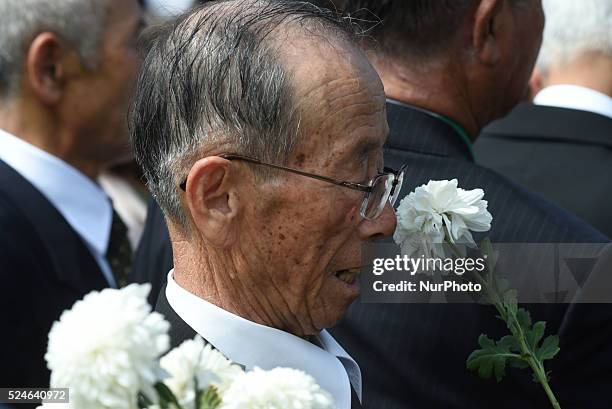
(300, 159)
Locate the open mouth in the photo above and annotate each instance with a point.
(348, 275)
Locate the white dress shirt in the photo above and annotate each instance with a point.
(575, 97)
(251, 344)
(83, 204)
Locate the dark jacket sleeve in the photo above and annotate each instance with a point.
(153, 258)
(25, 276)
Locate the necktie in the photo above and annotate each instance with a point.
(119, 252)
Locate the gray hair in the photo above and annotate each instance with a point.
(574, 27)
(214, 78)
(80, 23)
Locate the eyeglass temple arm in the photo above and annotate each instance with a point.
(356, 186)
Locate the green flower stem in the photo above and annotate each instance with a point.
(536, 365)
(527, 354)
(509, 317)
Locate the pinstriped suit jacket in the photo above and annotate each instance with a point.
(412, 356)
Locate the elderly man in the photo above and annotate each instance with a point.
(65, 72)
(570, 120)
(260, 128)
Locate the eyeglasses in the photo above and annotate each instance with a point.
(385, 186)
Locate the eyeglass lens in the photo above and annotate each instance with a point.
(375, 201)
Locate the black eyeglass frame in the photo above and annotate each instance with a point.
(366, 188)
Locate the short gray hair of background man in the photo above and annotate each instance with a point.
(80, 23)
(577, 45)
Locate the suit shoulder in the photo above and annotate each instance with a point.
(20, 241)
(512, 200)
(12, 217)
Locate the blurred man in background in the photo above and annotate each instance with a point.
(66, 69)
(561, 145)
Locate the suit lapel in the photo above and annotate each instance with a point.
(74, 264)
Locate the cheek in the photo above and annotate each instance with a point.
(120, 73)
(315, 233)
(82, 108)
(296, 238)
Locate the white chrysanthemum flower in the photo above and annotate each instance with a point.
(440, 212)
(280, 388)
(105, 348)
(194, 359)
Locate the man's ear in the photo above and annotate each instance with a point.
(46, 67)
(488, 24)
(211, 201)
(536, 83)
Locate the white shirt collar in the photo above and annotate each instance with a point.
(575, 97)
(80, 201)
(251, 344)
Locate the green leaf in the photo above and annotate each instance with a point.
(166, 397)
(524, 319)
(492, 357)
(491, 256)
(549, 348)
(509, 343)
(519, 363)
(510, 300)
(535, 334)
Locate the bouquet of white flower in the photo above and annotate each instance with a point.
(439, 216)
(107, 350)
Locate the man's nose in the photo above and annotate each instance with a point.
(382, 226)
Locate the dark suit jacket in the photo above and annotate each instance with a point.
(563, 154)
(44, 269)
(153, 257)
(413, 356)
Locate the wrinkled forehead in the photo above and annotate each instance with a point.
(335, 89)
(324, 70)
